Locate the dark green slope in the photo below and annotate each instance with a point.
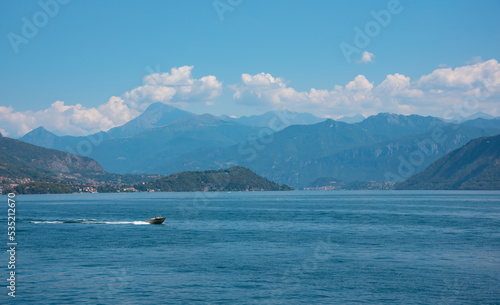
(475, 166)
(22, 160)
(236, 178)
(12, 167)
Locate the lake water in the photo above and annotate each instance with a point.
(299, 247)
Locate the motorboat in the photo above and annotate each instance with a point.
(156, 221)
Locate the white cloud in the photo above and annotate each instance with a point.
(15, 123)
(266, 88)
(486, 74)
(366, 57)
(360, 83)
(176, 88)
(433, 94)
(116, 112)
(67, 119)
(398, 85)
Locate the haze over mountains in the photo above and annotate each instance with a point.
(286, 147)
(285, 118)
(382, 148)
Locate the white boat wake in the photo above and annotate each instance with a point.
(90, 221)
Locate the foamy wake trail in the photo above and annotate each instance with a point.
(125, 222)
(90, 221)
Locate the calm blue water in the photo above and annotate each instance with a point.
(262, 247)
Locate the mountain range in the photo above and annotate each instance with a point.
(381, 148)
(286, 147)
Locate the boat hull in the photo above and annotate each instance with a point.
(156, 221)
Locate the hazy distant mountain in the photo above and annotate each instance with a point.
(300, 143)
(481, 115)
(390, 126)
(474, 116)
(276, 120)
(44, 138)
(151, 150)
(352, 119)
(157, 114)
(147, 142)
(480, 122)
(41, 137)
(475, 166)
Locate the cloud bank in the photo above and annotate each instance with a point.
(67, 119)
(445, 92)
(477, 86)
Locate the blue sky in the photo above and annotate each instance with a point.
(90, 51)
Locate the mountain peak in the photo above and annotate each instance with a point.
(159, 106)
(352, 119)
(388, 115)
(159, 114)
(384, 117)
(40, 131)
(40, 136)
(156, 115)
(479, 115)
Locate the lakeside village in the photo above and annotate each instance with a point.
(358, 185)
(65, 184)
(72, 184)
